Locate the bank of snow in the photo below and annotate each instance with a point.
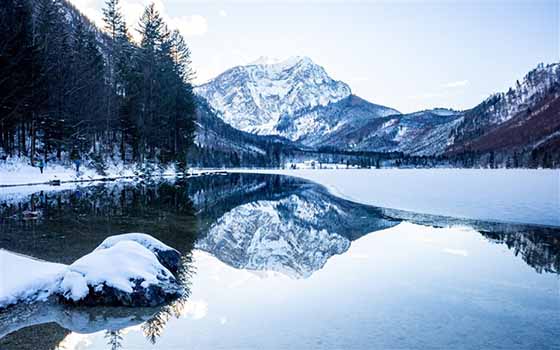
(18, 171)
(25, 278)
(123, 271)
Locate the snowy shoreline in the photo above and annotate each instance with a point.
(18, 173)
(525, 196)
(521, 196)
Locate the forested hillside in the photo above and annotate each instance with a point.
(518, 128)
(218, 144)
(68, 89)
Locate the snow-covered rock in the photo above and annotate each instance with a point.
(125, 273)
(170, 258)
(123, 270)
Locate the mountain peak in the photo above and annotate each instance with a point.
(290, 61)
(254, 97)
(264, 60)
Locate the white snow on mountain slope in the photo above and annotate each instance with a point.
(313, 127)
(502, 106)
(254, 97)
(420, 133)
(533, 86)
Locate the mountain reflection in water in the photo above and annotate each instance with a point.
(247, 221)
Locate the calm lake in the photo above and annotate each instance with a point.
(276, 262)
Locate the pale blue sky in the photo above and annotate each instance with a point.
(408, 55)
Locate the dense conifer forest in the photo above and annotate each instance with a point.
(69, 89)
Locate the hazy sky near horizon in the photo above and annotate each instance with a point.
(409, 55)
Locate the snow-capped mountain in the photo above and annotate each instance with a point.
(297, 100)
(255, 97)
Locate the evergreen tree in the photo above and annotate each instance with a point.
(153, 32)
(115, 27)
(16, 78)
(52, 42)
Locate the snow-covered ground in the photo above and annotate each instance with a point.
(25, 278)
(511, 195)
(18, 171)
(119, 262)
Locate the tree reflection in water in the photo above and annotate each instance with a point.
(153, 328)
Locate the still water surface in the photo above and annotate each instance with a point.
(276, 262)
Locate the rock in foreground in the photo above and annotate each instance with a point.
(125, 273)
(125, 270)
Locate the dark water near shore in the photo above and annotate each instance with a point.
(278, 262)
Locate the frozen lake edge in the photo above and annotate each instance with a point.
(521, 196)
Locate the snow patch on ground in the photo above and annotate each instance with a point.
(18, 171)
(25, 278)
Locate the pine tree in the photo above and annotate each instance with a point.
(115, 27)
(16, 79)
(154, 34)
(52, 42)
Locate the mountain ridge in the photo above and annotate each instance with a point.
(351, 123)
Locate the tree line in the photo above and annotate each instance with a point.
(68, 89)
